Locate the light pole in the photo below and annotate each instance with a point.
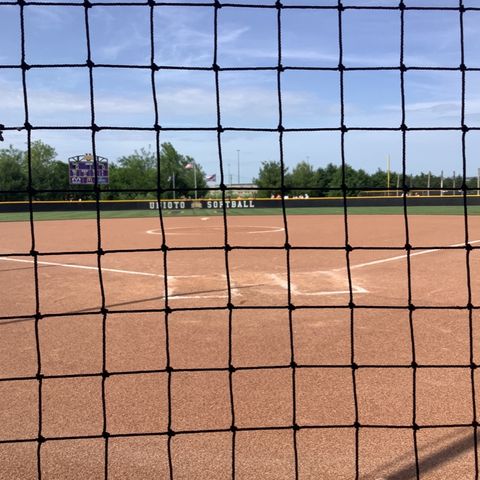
(238, 167)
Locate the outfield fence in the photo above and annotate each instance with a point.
(237, 204)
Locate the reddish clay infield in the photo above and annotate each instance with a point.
(71, 350)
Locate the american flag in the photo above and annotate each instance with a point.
(211, 178)
(189, 165)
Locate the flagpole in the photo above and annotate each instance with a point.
(173, 184)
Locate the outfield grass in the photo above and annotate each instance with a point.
(445, 210)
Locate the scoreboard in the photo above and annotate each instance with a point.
(81, 170)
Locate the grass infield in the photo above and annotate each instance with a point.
(442, 210)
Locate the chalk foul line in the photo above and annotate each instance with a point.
(81, 267)
(399, 257)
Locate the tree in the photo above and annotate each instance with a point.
(303, 177)
(353, 179)
(270, 178)
(12, 177)
(173, 164)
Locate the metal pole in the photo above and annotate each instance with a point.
(388, 176)
(238, 167)
(441, 183)
(428, 183)
(195, 178)
(478, 181)
(398, 184)
(173, 184)
(454, 183)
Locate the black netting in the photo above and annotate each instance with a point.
(352, 307)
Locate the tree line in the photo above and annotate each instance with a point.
(137, 171)
(304, 178)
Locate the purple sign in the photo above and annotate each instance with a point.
(81, 170)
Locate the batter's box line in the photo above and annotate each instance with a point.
(296, 291)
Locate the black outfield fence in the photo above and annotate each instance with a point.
(238, 204)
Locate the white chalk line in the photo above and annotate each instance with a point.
(294, 289)
(399, 257)
(95, 268)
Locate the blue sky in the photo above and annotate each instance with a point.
(247, 37)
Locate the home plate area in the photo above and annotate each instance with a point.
(246, 286)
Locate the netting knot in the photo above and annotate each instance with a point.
(230, 306)
(151, 3)
(34, 253)
(41, 439)
(291, 307)
(215, 67)
(28, 126)
(414, 364)
(233, 428)
(217, 4)
(95, 127)
(39, 376)
(416, 427)
(90, 63)
(21, 2)
(411, 307)
(340, 7)
(157, 127)
(356, 425)
(154, 67)
(473, 366)
(278, 4)
(465, 129)
(408, 247)
(287, 246)
(280, 68)
(474, 424)
(169, 369)
(227, 247)
(293, 364)
(25, 66)
(348, 247)
(170, 432)
(462, 8)
(403, 127)
(401, 5)
(32, 191)
(223, 187)
(280, 128)
(354, 366)
(105, 374)
(463, 67)
(38, 316)
(105, 434)
(296, 427)
(403, 67)
(468, 247)
(344, 129)
(341, 67)
(87, 4)
(220, 129)
(351, 305)
(104, 311)
(470, 306)
(232, 369)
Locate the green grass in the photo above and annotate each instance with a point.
(445, 210)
